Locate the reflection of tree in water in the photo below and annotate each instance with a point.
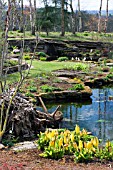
(102, 113)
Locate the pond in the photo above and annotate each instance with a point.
(95, 116)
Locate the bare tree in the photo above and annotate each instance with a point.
(79, 16)
(99, 19)
(106, 19)
(62, 19)
(2, 6)
(73, 17)
(22, 17)
(3, 78)
(32, 16)
(4, 87)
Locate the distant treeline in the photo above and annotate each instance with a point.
(49, 18)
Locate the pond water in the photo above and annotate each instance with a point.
(96, 116)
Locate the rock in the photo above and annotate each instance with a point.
(1, 146)
(15, 51)
(24, 146)
(109, 64)
(102, 59)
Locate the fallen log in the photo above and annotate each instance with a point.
(56, 115)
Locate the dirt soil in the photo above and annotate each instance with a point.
(31, 160)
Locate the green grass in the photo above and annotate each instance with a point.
(80, 36)
(47, 67)
(18, 35)
(40, 67)
(12, 78)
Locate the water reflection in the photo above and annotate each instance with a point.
(96, 117)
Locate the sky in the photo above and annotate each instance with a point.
(94, 4)
(85, 4)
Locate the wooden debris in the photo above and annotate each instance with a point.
(24, 120)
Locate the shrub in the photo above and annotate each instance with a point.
(78, 67)
(9, 63)
(86, 34)
(26, 57)
(109, 76)
(32, 89)
(42, 54)
(47, 88)
(63, 59)
(19, 31)
(13, 62)
(43, 58)
(28, 94)
(97, 52)
(77, 87)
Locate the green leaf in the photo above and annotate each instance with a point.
(43, 155)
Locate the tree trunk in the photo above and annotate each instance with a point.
(55, 20)
(73, 17)
(106, 20)
(62, 19)
(32, 17)
(79, 16)
(21, 20)
(99, 19)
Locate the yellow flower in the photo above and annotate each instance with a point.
(65, 139)
(66, 132)
(51, 143)
(72, 137)
(89, 145)
(77, 129)
(95, 141)
(68, 139)
(93, 149)
(75, 145)
(53, 133)
(80, 145)
(60, 142)
(84, 132)
(49, 136)
(56, 133)
(85, 145)
(108, 144)
(66, 146)
(62, 133)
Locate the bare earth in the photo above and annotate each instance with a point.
(31, 160)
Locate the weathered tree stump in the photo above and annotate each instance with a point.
(24, 120)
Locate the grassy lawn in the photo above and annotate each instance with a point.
(43, 69)
(39, 67)
(80, 36)
(43, 66)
